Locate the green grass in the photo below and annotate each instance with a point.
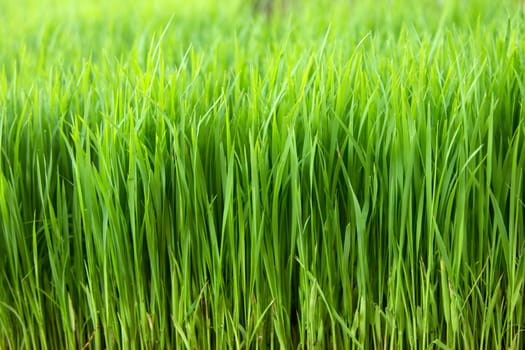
(338, 174)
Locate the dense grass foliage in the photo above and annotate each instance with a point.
(335, 174)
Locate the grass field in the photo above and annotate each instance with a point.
(335, 174)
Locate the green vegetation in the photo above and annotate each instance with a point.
(341, 174)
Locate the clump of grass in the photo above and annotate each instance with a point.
(170, 179)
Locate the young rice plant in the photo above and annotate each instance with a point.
(335, 174)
